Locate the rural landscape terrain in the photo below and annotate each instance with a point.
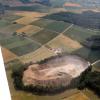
(34, 30)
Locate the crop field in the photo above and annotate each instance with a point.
(37, 55)
(29, 30)
(3, 23)
(58, 26)
(11, 18)
(26, 20)
(25, 49)
(91, 95)
(42, 22)
(29, 14)
(19, 45)
(44, 36)
(78, 96)
(11, 28)
(67, 44)
(7, 55)
(79, 33)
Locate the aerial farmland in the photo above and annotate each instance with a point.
(35, 35)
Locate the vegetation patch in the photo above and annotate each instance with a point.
(11, 28)
(42, 22)
(25, 49)
(44, 36)
(3, 23)
(58, 26)
(79, 34)
(87, 19)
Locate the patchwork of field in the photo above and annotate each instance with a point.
(19, 45)
(40, 34)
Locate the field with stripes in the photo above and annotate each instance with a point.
(28, 36)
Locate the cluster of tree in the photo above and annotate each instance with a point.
(90, 80)
(87, 19)
(93, 42)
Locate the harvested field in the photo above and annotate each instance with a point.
(44, 36)
(55, 73)
(65, 43)
(78, 96)
(79, 34)
(7, 55)
(29, 30)
(38, 55)
(22, 50)
(26, 20)
(42, 22)
(58, 26)
(29, 14)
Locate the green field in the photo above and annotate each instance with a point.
(11, 28)
(79, 33)
(25, 49)
(58, 26)
(10, 40)
(11, 18)
(3, 23)
(42, 22)
(44, 36)
(19, 45)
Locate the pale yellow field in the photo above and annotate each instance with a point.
(29, 30)
(28, 14)
(38, 55)
(7, 55)
(78, 96)
(65, 43)
(26, 20)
